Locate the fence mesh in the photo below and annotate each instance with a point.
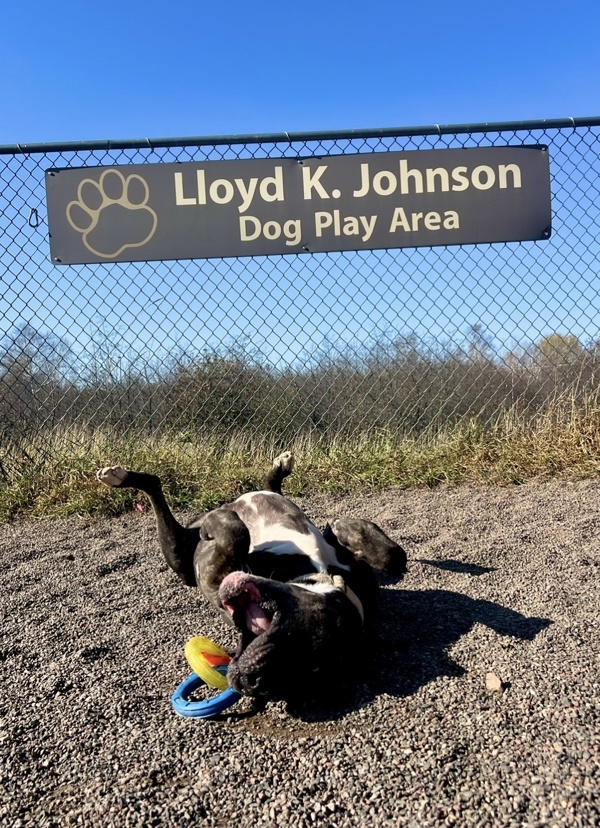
(280, 346)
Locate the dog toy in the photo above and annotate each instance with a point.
(209, 663)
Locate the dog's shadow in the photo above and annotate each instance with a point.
(458, 566)
(417, 628)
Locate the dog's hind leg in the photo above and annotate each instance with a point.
(368, 542)
(281, 468)
(177, 542)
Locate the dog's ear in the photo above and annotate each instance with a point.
(367, 542)
(223, 548)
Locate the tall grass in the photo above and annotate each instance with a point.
(56, 469)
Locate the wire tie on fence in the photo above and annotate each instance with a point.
(439, 131)
(34, 218)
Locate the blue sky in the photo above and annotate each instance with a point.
(74, 71)
(81, 72)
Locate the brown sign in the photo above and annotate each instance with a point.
(258, 207)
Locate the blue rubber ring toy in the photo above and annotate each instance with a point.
(201, 709)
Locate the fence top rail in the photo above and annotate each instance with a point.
(299, 137)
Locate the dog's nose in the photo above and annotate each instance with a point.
(253, 684)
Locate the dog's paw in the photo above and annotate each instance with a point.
(112, 476)
(285, 462)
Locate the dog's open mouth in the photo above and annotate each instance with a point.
(245, 604)
(256, 615)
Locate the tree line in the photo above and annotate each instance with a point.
(402, 384)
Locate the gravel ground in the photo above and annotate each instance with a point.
(501, 581)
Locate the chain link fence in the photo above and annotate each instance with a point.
(399, 341)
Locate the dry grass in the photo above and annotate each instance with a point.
(53, 473)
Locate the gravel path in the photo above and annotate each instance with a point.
(502, 581)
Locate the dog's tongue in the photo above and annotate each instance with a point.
(257, 620)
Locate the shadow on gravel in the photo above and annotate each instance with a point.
(460, 567)
(417, 628)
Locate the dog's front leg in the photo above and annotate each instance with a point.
(177, 543)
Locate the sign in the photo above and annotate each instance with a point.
(258, 207)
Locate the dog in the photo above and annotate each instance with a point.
(302, 600)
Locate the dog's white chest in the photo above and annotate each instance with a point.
(278, 527)
(279, 540)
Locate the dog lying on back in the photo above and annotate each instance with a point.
(300, 599)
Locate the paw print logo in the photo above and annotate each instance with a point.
(112, 214)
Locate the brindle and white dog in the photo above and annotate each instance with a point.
(300, 599)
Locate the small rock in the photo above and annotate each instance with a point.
(493, 684)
